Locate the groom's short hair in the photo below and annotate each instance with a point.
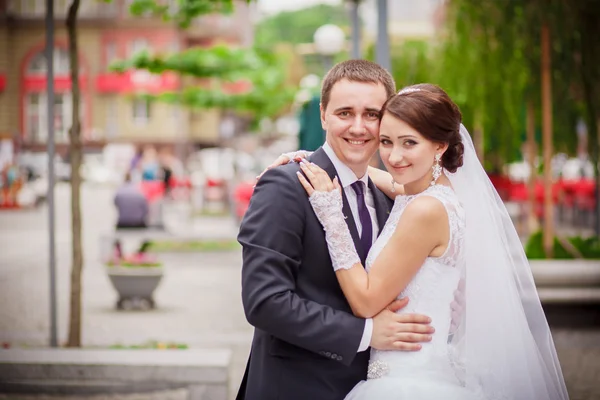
(356, 71)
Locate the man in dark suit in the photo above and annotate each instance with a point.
(307, 344)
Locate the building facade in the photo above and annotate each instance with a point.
(110, 110)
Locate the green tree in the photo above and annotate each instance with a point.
(265, 73)
(299, 26)
(491, 64)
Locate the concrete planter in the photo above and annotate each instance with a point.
(567, 281)
(135, 285)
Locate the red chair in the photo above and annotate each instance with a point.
(242, 195)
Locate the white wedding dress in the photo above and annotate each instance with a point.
(427, 374)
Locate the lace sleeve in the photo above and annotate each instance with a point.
(328, 208)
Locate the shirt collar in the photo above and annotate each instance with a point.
(345, 174)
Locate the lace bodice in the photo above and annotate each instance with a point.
(430, 292)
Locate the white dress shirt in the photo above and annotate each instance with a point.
(346, 178)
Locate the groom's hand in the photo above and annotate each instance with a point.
(393, 331)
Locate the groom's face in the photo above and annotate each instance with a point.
(351, 122)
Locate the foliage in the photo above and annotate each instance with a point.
(490, 63)
(182, 12)
(412, 61)
(588, 247)
(299, 26)
(213, 69)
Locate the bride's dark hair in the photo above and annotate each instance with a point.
(429, 110)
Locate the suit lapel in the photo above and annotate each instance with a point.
(320, 158)
(382, 207)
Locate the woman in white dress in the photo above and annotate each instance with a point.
(448, 228)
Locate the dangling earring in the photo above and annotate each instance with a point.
(393, 186)
(437, 169)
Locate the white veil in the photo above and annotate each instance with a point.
(503, 345)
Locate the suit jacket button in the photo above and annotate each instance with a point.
(340, 358)
(334, 356)
(327, 354)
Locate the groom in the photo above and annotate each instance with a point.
(307, 344)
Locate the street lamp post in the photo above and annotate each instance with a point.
(382, 50)
(329, 40)
(356, 53)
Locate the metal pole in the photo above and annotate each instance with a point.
(382, 50)
(50, 127)
(356, 53)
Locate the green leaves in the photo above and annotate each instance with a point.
(210, 73)
(181, 12)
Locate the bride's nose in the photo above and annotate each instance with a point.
(396, 157)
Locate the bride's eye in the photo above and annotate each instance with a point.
(410, 142)
(385, 141)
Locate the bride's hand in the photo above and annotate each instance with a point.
(318, 180)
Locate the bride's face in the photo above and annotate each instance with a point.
(407, 154)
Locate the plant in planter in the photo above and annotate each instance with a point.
(135, 278)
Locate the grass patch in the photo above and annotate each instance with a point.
(588, 247)
(156, 345)
(160, 246)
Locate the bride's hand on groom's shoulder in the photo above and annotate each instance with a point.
(316, 180)
(405, 332)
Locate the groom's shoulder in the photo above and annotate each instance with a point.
(283, 176)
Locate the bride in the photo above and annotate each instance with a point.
(448, 229)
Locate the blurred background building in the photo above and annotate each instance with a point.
(110, 113)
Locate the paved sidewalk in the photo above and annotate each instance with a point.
(198, 300)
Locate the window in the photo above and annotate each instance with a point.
(141, 111)
(37, 65)
(36, 116)
(138, 45)
(36, 111)
(111, 119)
(110, 53)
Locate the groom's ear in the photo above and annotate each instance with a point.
(322, 113)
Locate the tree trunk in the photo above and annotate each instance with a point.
(75, 155)
(548, 239)
(532, 221)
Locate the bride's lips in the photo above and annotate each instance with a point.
(402, 168)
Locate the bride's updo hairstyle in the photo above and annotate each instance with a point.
(430, 111)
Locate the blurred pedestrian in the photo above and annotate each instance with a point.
(132, 205)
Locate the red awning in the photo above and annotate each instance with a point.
(61, 83)
(136, 81)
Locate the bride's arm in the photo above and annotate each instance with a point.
(418, 232)
(383, 180)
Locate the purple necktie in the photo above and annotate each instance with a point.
(366, 235)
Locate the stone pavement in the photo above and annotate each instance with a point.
(198, 300)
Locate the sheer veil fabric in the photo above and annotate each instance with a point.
(503, 347)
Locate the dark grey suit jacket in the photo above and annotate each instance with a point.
(306, 338)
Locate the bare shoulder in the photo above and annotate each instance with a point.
(426, 208)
